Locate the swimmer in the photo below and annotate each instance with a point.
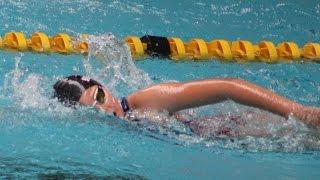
(174, 97)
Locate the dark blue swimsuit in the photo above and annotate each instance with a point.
(125, 105)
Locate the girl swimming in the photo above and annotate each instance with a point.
(174, 97)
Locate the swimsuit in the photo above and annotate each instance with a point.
(127, 110)
(125, 105)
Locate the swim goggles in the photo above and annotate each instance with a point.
(99, 96)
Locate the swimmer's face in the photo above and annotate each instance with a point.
(101, 98)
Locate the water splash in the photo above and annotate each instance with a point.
(118, 69)
(27, 93)
(31, 91)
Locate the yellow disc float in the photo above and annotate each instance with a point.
(40, 42)
(197, 49)
(15, 41)
(242, 50)
(61, 43)
(288, 50)
(1, 43)
(266, 51)
(219, 49)
(136, 46)
(81, 45)
(177, 48)
(311, 51)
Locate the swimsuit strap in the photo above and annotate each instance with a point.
(125, 105)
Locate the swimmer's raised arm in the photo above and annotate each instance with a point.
(174, 97)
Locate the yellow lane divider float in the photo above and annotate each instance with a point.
(172, 47)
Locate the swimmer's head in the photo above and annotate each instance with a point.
(85, 91)
(70, 89)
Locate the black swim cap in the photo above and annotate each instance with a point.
(69, 89)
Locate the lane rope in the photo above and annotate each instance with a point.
(168, 47)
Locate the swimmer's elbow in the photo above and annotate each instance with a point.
(310, 116)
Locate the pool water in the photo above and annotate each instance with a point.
(40, 138)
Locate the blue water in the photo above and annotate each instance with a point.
(39, 138)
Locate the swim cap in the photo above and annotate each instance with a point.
(69, 89)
